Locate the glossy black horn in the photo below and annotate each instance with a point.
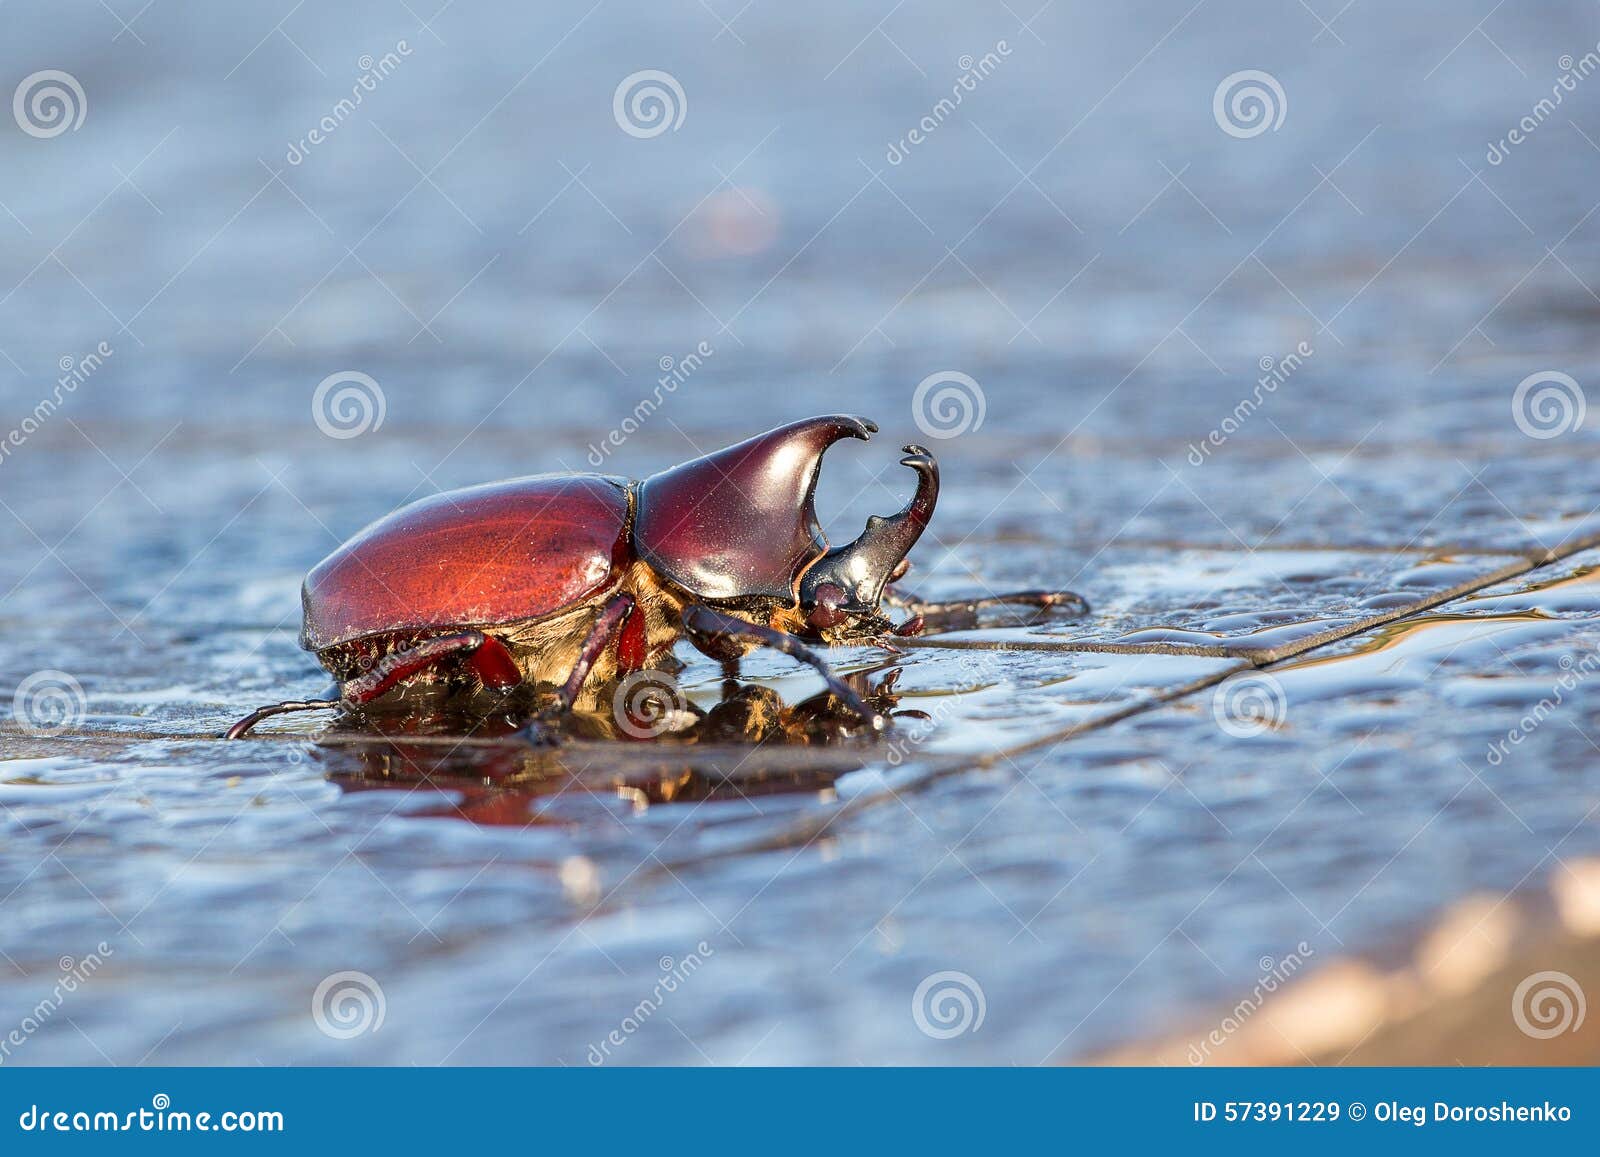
(862, 568)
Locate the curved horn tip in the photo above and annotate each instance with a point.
(830, 426)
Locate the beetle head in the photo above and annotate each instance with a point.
(841, 592)
(738, 527)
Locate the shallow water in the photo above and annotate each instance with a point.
(1102, 822)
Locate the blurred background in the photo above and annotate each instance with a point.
(481, 237)
(460, 212)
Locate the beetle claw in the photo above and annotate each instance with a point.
(540, 732)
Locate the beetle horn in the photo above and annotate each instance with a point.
(863, 568)
(741, 521)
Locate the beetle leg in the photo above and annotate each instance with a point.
(927, 615)
(612, 619)
(238, 730)
(487, 657)
(712, 631)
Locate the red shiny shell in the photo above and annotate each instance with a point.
(496, 553)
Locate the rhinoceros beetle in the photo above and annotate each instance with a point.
(573, 581)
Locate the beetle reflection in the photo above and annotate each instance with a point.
(573, 581)
(656, 746)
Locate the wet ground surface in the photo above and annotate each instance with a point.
(1338, 668)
